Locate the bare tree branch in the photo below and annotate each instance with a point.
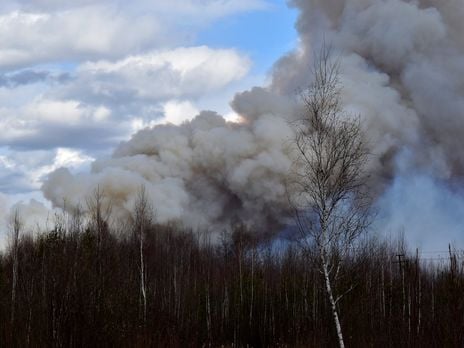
(328, 190)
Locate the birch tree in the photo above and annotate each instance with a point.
(143, 218)
(328, 180)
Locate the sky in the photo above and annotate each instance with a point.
(79, 76)
(87, 88)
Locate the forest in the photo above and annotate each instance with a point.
(86, 284)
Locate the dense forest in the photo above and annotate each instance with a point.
(88, 284)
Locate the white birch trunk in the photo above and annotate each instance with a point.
(328, 285)
(333, 304)
(142, 279)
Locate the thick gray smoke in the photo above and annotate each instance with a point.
(402, 70)
(204, 173)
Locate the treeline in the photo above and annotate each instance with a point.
(86, 285)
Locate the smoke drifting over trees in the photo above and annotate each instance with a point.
(204, 173)
(166, 243)
(401, 69)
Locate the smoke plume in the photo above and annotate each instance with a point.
(204, 173)
(402, 71)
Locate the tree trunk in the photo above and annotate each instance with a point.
(333, 304)
(16, 225)
(143, 291)
(15, 279)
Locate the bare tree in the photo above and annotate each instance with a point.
(143, 218)
(327, 185)
(99, 211)
(16, 226)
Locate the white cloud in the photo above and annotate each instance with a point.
(27, 169)
(64, 158)
(157, 75)
(54, 111)
(55, 4)
(177, 112)
(33, 32)
(106, 101)
(200, 9)
(45, 118)
(31, 38)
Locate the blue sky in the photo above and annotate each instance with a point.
(264, 35)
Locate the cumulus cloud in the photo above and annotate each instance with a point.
(45, 124)
(159, 75)
(24, 171)
(105, 33)
(34, 32)
(103, 102)
(177, 112)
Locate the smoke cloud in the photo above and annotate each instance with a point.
(402, 71)
(207, 172)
